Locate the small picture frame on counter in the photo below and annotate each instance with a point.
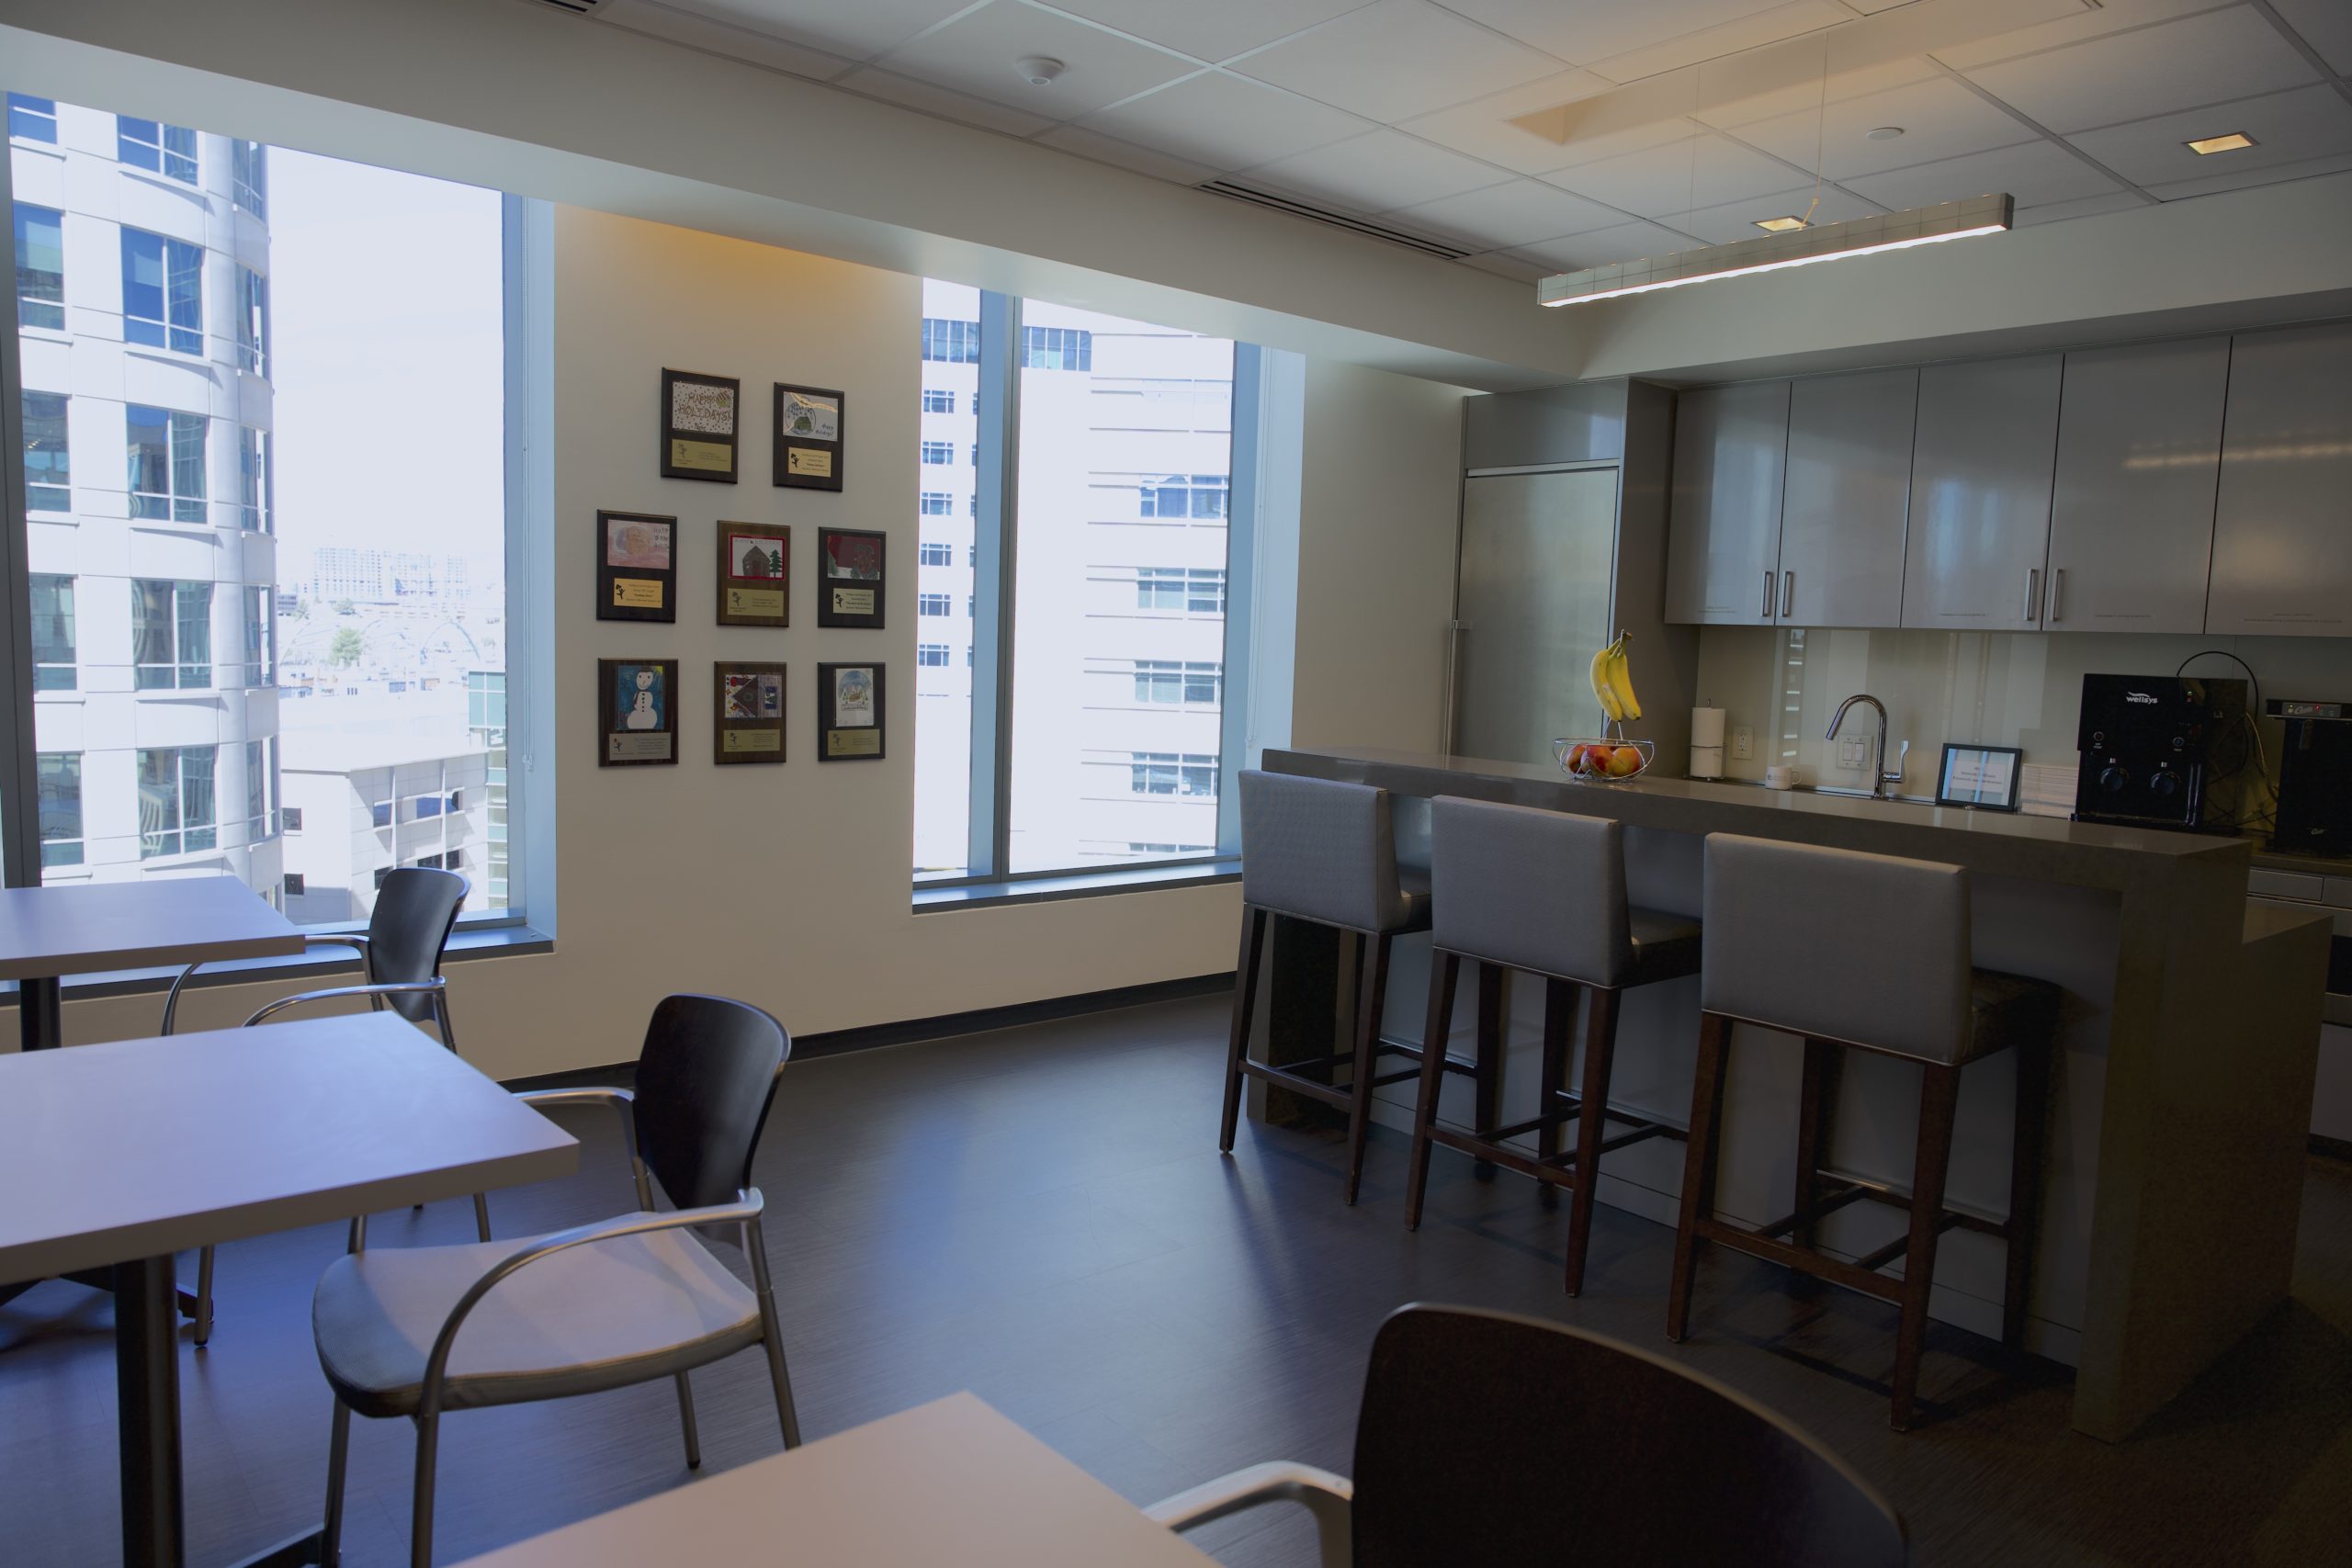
(637, 712)
(637, 567)
(850, 715)
(1982, 778)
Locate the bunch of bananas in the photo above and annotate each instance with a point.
(1613, 683)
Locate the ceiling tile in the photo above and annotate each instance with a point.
(1110, 150)
(942, 101)
(2087, 206)
(2272, 175)
(2036, 172)
(1227, 122)
(2287, 127)
(1483, 127)
(1752, 32)
(1696, 172)
(1806, 97)
(2111, 17)
(1939, 118)
(859, 29)
(1628, 241)
(723, 37)
(2325, 25)
(1737, 219)
(975, 53)
(1396, 59)
(1378, 173)
(2173, 65)
(1515, 213)
(1581, 31)
(1209, 29)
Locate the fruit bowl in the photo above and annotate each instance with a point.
(1576, 756)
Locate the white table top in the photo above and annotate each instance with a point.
(141, 1147)
(87, 928)
(951, 1481)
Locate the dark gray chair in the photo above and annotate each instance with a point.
(1542, 892)
(1323, 851)
(598, 1306)
(416, 908)
(1860, 952)
(1484, 1437)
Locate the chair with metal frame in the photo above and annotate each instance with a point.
(416, 908)
(1486, 1437)
(598, 1306)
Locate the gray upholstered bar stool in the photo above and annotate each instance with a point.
(1542, 892)
(1867, 952)
(1321, 851)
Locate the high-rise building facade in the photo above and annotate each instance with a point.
(143, 306)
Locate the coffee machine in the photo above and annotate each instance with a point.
(2161, 751)
(2314, 777)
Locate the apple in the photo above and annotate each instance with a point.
(1625, 763)
(1594, 759)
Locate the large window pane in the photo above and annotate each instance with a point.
(1126, 453)
(950, 356)
(61, 809)
(34, 119)
(167, 452)
(52, 603)
(40, 234)
(168, 150)
(49, 455)
(163, 292)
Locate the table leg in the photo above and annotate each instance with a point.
(147, 1405)
(40, 1013)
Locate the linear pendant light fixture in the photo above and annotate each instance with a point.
(1771, 252)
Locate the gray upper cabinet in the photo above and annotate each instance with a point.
(1724, 527)
(1980, 494)
(2282, 529)
(1848, 493)
(2131, 516)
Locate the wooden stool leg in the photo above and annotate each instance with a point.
(1445, 969)
(1559, 1044)
(1698, 1166)
(2025, 1188)
(1367, 1056)
(1599, 1053)
(1245, 1003)
(1488, 1078)
(1938, 1096)
(1815, 1103)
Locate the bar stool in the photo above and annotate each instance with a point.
(1542, 892)
(1867, 952)
(1320, 851)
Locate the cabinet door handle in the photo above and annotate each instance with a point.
(2032, 590)
(2057, 593)
(1765, 609)
(1788, 594)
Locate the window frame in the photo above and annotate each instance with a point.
(190, 604)
(171, 333)
(176, 148)
(20, 237)
(62, 468)
(182, 837)
(23, 104)
(188, 439)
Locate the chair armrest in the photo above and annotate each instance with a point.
(385, 988)
(621, 1100)
(1322, 1493)
(171, 997)
(744, 1211)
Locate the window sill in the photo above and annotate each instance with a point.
(482, 941)
(1075, 884)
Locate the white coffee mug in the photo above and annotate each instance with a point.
(1779, 775)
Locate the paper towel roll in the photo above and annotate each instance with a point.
(1707, 762)
(1707, 727)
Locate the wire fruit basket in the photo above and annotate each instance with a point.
(1607, 759)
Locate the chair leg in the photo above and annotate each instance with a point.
(1369, 1003)
(1445, 970)
(1559, 1046)
(686, 1422)
(1245, 1002)
(420, 1524)
(204, 1298)
(1815, 1097)
(1939, 1097)
(1487, 1078)
(481, 1215)
(2025, 1188)
(338, 1462)
(1600, 1055)
(1698, 1166)
(772, 1341)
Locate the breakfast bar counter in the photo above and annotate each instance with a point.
(2183, 1071)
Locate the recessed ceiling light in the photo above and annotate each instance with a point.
(1884, 132)
(2230, 143)
(1779, 225)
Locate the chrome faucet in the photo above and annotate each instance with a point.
(1880, 778)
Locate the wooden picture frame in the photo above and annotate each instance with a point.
(808, 429)
(754, 574)
(852, 718)
(637, 567)
(852, 577)
(637, 713)
(702, 423)
(747, 713)
(1982, 778)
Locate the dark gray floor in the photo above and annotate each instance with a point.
(1040, 1215)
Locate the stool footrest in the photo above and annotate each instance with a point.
(1881, 1256)
(1887, 1193)
(1559, 1172)
(1804, 1261)
(1284, 1078)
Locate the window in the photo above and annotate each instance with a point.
(951, 342)
(933, 604)
(49, 455)
(1056, 348)
(938, 452)
(249, 176)
(40, 267)
(291, 819)
(1195, 590)
(35, 119)
(261, 636)
(1136, 849)
(936, 503)
(935, 552)
(938, 400)
(252, 321)
(1169, 773)
(254, 489)
(166, 150)
(163, 292)
(61, 808)
(380, 814)
(166, 463)
(295, 885)
(170, 635)
(176, 802)
(1171, 680)
(932, 655)
(257, 771)
(52, 602)
(1185, 495)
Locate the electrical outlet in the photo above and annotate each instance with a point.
(1743, 741)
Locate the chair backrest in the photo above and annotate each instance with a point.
(1488, 1438)
(1539, 890)
(1839, 944)
(416, 907)
(704, 1084)
(1319, 849)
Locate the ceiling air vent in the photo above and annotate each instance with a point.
(1336, 220)
(578, 7)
